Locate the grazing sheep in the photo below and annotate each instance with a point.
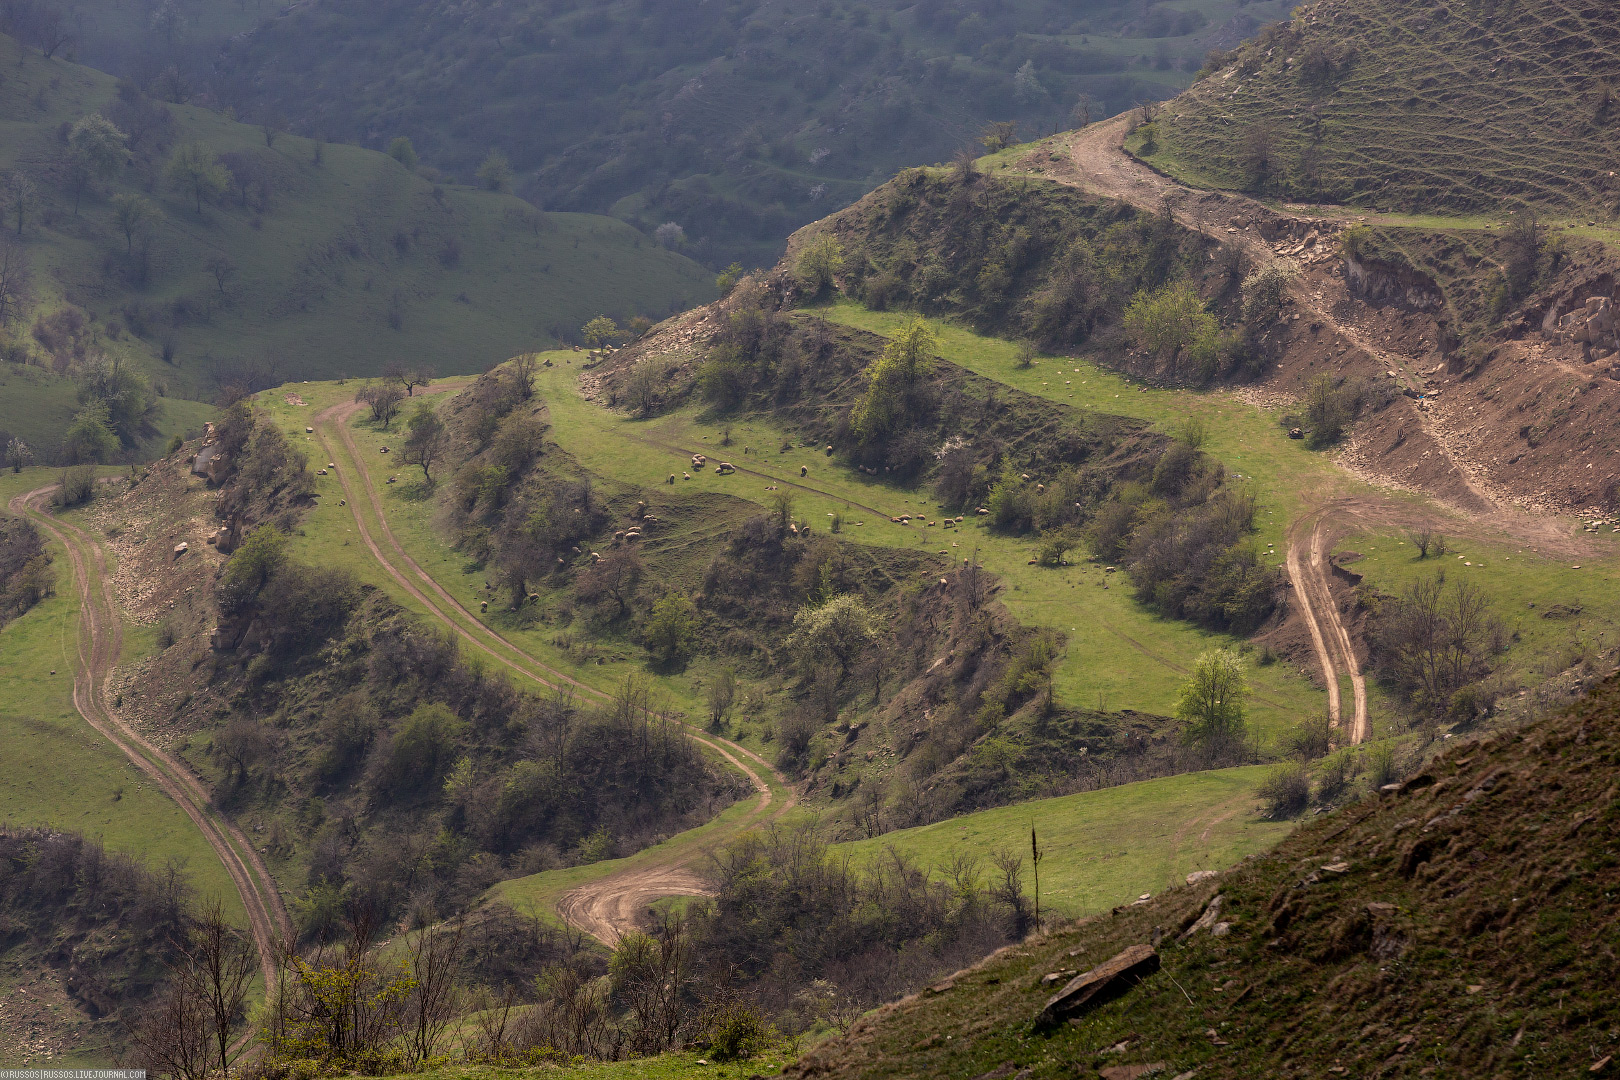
(671, 479)
(686, 476)
(725, 467)
(804, 470)
(484, 606)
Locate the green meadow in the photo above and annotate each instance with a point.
(56, 770)
(1102, 848)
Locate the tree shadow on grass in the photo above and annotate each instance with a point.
(415, 491)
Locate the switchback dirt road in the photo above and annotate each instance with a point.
(610, 906)
(100, 641)
(1097, 163)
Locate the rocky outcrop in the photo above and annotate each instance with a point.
(1103, 983)
(1379, 282)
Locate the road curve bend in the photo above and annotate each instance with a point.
(610, 906)
(100, 640)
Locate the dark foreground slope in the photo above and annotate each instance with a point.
(1467, 927)
(1465, 106)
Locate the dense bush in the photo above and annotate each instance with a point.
(104, 923)
(26, 576)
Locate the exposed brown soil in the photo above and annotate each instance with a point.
(1529, 428)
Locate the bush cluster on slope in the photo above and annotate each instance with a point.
(107, 924)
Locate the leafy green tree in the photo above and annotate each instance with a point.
(495, 173)
(907, 357)
(601, 331)
(722, 694)
(403, 152)
(96, 151)
(672, 627)
(132, 214)
(90, 438)
(835, 633)
(819, 263)
(1212, 703)
(728, 279)
(195, 170)
(1173, 322)
(250, 569)
(126, 393)
(1000, 135)
(423, 750)
(425, 440)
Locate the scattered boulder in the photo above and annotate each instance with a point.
(1296, 433)
(309, 431)
(1101, 984)
(181, 548)
(384, 450)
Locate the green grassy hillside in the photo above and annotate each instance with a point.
(1106, 847)
(738, 120)
(1461, 107)
(1461, 927)
(339, 265)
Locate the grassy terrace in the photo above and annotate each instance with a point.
(1102, 848)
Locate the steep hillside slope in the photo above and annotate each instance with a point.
(738, 120)
(292, 259)
(1464, 924)
(1463, 107)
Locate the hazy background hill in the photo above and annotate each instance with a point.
(299, 260)
(738, 120)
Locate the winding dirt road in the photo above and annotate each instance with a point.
(100, 641)
(610, 906)
(1099, 164)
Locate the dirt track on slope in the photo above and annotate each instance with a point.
(100, 641)
(608, 907)
(1097, 163)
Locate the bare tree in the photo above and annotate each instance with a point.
(223, 269)
(217, 966)
(614, 577)
(384, 400)
(523, 368)
(16, 281)
(409, 377)
(1422, 538)
(271, 128)
(17, 194)
(171, 1038)
(435, 958)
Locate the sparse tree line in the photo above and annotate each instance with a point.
(795, 940)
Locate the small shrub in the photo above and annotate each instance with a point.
(1285, 793)
(737, 1032)
(1381, 767)
(1333, 779)
(76, 486)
